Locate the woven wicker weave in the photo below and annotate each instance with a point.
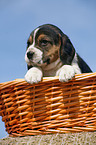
(49, 106)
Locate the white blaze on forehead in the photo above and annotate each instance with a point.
(37, 57)
(34, 36)
(32, 47)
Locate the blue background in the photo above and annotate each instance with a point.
(76, 18)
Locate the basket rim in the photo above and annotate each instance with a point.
(77, 77)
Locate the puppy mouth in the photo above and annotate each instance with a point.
(40, 63)
(46, 60)
(43, 62)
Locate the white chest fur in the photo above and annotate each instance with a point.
(51, 69)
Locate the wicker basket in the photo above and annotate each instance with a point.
(49, 106)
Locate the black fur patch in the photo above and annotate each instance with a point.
(83, 65)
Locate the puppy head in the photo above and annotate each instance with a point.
(46, 44)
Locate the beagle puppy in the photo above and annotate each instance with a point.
(51, 53)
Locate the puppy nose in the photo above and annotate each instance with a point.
(30, 54)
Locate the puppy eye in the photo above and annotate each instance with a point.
(44, 42)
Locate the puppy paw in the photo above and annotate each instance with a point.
(33, 75)
(66, 73)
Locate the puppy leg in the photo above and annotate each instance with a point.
(65, 73)
(34, 75)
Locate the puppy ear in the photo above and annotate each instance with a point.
(67, 50)
(29, 41)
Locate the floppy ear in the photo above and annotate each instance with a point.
(67, 50)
